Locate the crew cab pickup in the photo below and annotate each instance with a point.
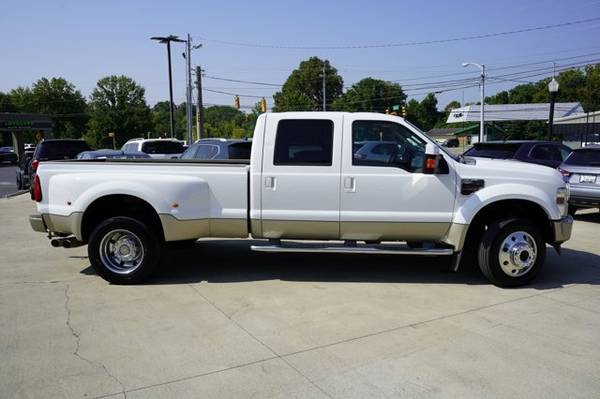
(308, 180)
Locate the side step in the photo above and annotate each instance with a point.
(358, 249)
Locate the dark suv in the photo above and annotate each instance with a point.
(547, 153)
(52, 150)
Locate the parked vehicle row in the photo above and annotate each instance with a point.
(547, 153)
(7, 154)
(303, 181)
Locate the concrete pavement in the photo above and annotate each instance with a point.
(8, 182)
(223, 322)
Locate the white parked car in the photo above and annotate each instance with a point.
(304, 182)
(156, 148)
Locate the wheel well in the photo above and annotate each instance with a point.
(119, 205)
(511, 208)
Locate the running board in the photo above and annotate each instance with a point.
(341, 249)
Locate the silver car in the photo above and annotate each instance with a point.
(582, 170)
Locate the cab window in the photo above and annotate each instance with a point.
(304, 142)
(383, 143)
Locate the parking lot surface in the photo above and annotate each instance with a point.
(8, 183)
(221, 321)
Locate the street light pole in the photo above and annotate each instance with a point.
(324, 90)
(553, 89)
(167, 40)
(482, 109)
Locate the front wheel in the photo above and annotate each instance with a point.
(123, 250)
(511, 252)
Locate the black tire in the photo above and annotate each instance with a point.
(491, 245)
(144, 240)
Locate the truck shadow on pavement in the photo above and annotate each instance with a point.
(593, 217)
(232, 261)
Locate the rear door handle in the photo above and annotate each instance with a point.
(349, 184)
(270, 182)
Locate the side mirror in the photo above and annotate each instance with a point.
(431, 159)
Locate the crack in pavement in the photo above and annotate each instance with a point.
(277, 355)
(77, 336)
(315, 348)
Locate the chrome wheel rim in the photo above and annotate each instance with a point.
(518, 253)
(121, 251)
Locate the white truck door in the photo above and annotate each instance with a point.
(384, 194)
(301, 176)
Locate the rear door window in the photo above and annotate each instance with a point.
(162, 147)
(546, 152)
(240, 150)
(304, 142)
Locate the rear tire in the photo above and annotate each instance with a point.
(511, 252)
(124, 250)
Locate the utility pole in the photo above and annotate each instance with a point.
(199, 106)
(482, 137)
(324, 90)
(188, 89)
(167, 40)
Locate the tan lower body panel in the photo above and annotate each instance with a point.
(176, 230)
(391, 231)
(70, 224)
(300, 229)
(456, 235)
(381, 231)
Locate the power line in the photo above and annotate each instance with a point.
(407, 44)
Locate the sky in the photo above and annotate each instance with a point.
(84, 41)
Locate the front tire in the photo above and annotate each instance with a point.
(511, 252)
(124, 250)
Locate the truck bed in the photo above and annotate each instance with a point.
(192, 198)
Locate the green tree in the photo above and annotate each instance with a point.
(22, 100)
(303, 89)
(118, 105)
(370, 95)
(6, 104)
(225, 121)
(591, 92)
(59, 98)
(424, 114)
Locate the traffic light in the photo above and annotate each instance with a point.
(403, 110)
(236, 102)
(263, 105)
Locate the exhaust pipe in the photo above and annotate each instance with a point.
(66, 242)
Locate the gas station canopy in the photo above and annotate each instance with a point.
(513, 112)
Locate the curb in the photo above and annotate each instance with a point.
(15, 194)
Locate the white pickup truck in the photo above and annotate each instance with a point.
(353, 182)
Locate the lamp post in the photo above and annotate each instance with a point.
(553, 89)
(482, 89)
(167, 40)
(114, 140)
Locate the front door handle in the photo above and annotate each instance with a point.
(349, 184)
